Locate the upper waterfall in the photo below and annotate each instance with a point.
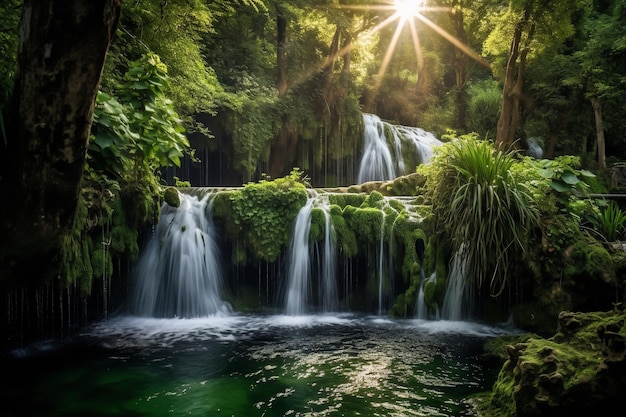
(392, 150)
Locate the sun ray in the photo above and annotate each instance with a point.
(454, 41)
(417, 47)
(388, 54)
(402, 12)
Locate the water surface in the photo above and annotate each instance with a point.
(245, 366)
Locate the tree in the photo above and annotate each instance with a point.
(531, 25)
(63, 46)
(601, 68)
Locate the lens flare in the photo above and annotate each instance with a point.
(408, 8)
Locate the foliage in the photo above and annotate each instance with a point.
(482, 207)
(144, 132)
(132, 138)
(483, 107)
(610, 221)
(560, 183)
(10, 11)
(259, 217)
(173, 30)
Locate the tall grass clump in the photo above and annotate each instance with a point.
(480, 206)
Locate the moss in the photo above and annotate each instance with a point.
(549, 376)
(346, 199)
(366, 223)
(102, 264)
(373, 199)
(345, 237)
(260, 216)
(124, 241)
(407, 185)
(172, 197)
(318, 224)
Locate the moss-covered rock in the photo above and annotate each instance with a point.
(579, 371)
(171, 197)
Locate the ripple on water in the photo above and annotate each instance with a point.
(245, 365)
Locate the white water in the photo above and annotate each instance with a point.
(299, 294)
(382, 161)
(178, 273)
(330, 299)
(456, 300)
(376, 162)
(421, 310)
(299, 275)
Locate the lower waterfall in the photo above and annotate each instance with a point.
(179, 272)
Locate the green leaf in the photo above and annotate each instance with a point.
(559, 186)
(546, 172)
(570, 178)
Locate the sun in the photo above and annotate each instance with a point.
(407, 9)
(404, 14)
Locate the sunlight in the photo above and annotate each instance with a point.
(402, 13)
(406, 9)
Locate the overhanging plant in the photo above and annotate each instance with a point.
(481, 206)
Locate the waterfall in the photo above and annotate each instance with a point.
(299, 276)
(300, 279)
(381, 270)
(376, 162)
(534, 148)
(330, 300)
(421, 309)
(178, 273)
(456, 300)
(379, 161)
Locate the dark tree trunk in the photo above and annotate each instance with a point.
(281, 51)
(460, 68)
(505, 130)
(63, 45)
(597, 113)
(284, 144)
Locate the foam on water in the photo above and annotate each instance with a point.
(133, 331)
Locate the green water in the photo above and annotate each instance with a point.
(252, 366)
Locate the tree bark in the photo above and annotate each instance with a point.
(505, 129)
(460, 66)
(281, 51)
(597, 113)
(63, 45)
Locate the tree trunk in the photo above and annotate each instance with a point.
(597, 113)
(332, 57)
(63, 45)
(284, 144)
(347, 56)
(504, 129)
(460, 65)
(281, 51)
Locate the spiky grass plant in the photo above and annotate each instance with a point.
(610, 221)
(478, 203)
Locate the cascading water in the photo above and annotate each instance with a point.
(381, 270)
(298, 299)
(382, 162)
(376, 162)
(421, 309)
(299, 276)
(178, 273)
(330, 300)
(456, 302)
